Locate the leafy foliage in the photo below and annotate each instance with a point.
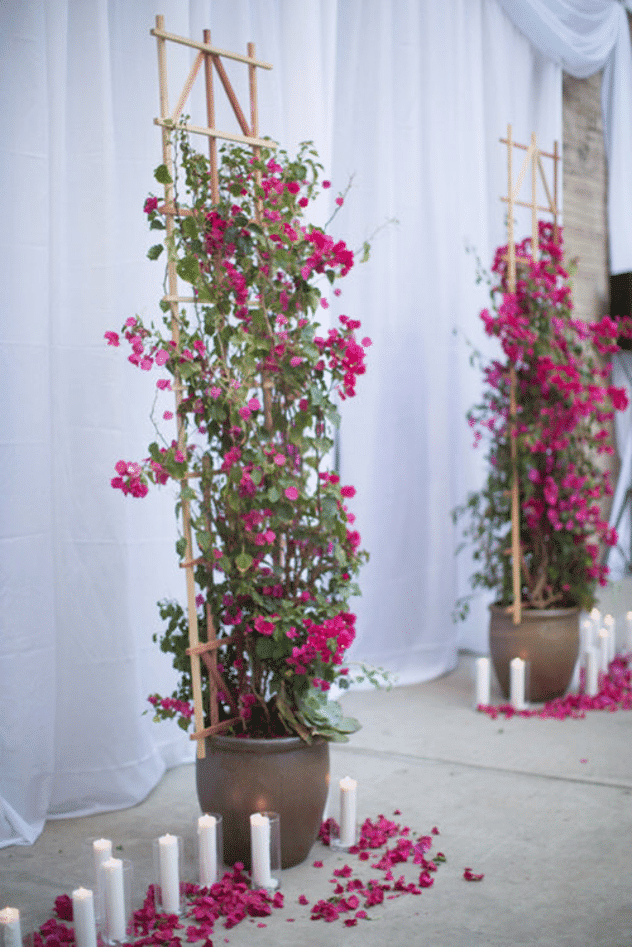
(258, 389)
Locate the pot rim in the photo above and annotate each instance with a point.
(537, 613)
(260, 745)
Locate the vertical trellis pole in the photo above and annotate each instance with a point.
(533, 156)
(172, 284)
(515, 496)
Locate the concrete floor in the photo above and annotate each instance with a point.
(542, 807)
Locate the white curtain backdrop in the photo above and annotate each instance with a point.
(410, 98)
(620, 557)
(586, 36)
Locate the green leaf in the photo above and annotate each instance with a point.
(274, 494)
(264, 647)
(203, 540)
(189, 228)
(154, 252)
(161, 174)
(188, 269)
(316, 394)
(329, 507)
(285, 511)
(243, 562)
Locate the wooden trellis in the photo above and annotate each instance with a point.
(211, 58)
(532, 159)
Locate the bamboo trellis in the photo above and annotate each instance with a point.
(533, 158)
(211, 58)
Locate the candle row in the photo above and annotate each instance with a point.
(109, 907)
(518, 669)
(592, 625)
(597, 650)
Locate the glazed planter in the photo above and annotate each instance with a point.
(242, 775)
(546, 638)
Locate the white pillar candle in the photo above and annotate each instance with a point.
(595, 616)
(207, 848)
(482, 681)
(517, 683)
(84, 921)
(586, 634)
(169, 874)
(260, 849)
(114, 898)
(610, 625)
(348, 790)
(102, 850)
(10, 927)
(604, 650)
(628, 620)
(592, 671)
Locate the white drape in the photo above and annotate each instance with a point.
(411, 98)
(620, 557)
(586, 36)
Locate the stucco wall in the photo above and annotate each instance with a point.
(584, 194)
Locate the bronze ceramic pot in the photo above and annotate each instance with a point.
(242, 775)
(546, 638)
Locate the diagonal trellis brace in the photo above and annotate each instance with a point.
(211, 58)
(533, 158)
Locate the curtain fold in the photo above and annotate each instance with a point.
(620, 557)
(586, 37)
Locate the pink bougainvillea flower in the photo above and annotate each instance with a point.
(472, 876)
(264, 626)
(63, 908)
(291, 493)
(161, 357)
(112, 338)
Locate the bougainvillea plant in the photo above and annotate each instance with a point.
(277, 554)
(564, 407)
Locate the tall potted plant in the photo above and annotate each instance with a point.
(564, 405)
(276, 550)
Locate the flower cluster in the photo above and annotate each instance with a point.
(615, 694)
(257, 388)
(560, 427)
